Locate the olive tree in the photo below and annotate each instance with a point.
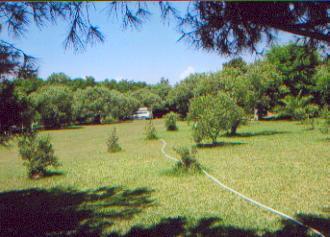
(147, 98)
(232, 82)
(212, 115)
(179, 97)
(125, 107)
(266, 84)
(53, 103)
(94, 104)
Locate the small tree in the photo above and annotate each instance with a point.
(112, 142)
(37, 154)
(151, 133)
(187, 159)
(213, 114)
(170, 121)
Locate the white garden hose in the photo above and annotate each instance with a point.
(243, 196)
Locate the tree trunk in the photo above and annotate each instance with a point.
(97, 119)
(214, 138)
(256, 114)
(234, 128)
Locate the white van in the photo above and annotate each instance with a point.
(143, 113)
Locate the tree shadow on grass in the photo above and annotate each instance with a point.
(69, 127)
(73, 127)
(254, 134)
(289, 228)
(68, 212)
(219, 144)
(179, 226)
(212, 226)
(317, 222)
(51, 173)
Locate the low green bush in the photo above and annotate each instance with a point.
(170, 121)
(37, 153)
(150, 130)
(188, 161)
(112, 142)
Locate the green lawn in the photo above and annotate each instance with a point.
(134, 192)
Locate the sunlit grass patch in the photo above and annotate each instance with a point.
(277, 163)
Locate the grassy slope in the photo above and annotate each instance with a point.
(277, 163)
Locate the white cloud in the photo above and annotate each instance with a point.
(189, 70)
(119, 78)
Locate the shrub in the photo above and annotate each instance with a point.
(187, 159)
(112, 142)
(170, 121)
(325, 124)
(298, 108)
(151, 133)
(212, 115)
(37, 154)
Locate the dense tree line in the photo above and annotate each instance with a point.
(289, 75)
(290, 70)
(59, 100)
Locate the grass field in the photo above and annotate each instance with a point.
(135, 193)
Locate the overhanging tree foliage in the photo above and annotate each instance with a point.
(15, 111)
(226, 27)
(230, 27)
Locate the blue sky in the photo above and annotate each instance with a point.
(142, 55)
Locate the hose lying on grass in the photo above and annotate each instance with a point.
(243, 196)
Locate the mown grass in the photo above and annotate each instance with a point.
(134, 192)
